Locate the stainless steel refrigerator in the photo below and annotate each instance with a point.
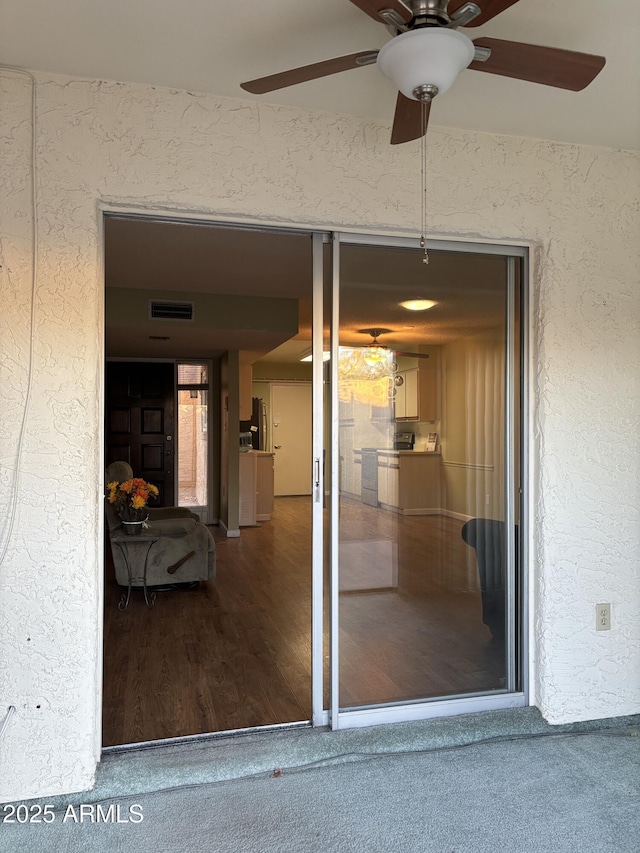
(257, 426)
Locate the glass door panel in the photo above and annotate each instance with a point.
(193, 438)
(423, 414)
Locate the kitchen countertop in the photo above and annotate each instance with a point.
(400, 452)
(409, 452)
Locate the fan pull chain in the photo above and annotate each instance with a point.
(423, 174)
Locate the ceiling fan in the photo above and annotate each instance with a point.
(380, 350)
(427, 53)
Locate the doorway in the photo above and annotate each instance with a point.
(360, 600)
(234, 651)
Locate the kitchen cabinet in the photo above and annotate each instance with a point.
(247, 489)
(256, 487)
(416, 396)
(388, 480)
(264, 485)
(406, 399)
(409, 481)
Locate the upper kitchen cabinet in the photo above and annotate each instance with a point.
(417, 388)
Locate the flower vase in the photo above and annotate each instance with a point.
(135, 526)
(132, 528)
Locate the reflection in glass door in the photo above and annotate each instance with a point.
(425, 385)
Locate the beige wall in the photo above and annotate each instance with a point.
(229, 443)
(216, 316)
(266, 370)
(147, 148)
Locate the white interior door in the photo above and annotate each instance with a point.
(291, 406)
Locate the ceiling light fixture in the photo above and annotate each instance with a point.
(375, 355)
(366, 374)
(418, 304)
(423, 63)
(426, 57)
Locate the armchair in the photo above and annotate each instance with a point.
(487, 537)
(122, 471)
(185, 550)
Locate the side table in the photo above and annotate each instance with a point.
(124, 542)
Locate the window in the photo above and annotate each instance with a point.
(193, 443)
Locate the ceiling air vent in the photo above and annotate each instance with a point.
(162, 309)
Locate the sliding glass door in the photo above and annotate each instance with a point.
(425, 479)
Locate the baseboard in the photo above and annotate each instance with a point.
(390, 508)
(229, 533)
(459, 516)
(447, 513)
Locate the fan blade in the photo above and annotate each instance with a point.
(374, 7)
(407, 122)
(550, 66)
(490, 8)
(309, 72)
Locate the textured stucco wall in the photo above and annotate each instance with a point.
(158, 148)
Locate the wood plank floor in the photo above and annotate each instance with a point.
(236, 652)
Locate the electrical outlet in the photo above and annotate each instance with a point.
(603, 617)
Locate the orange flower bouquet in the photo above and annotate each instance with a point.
(130, 498)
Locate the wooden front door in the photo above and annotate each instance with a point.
(140, 422)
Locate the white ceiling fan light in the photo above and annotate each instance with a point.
(431, 56)
(376, 354)
(418, 304)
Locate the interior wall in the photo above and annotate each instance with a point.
(150, 148)
(230, 443)
(263, 371)
(224, 440)
(215, 315)
(215, 439)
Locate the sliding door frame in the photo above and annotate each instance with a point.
(318, 714)
(516, 693)
(517, 251)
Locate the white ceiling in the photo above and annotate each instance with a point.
(211, 46)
